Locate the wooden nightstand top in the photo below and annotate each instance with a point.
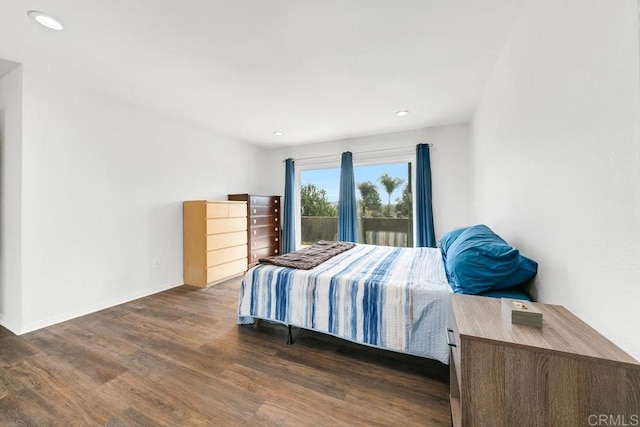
(481, 318)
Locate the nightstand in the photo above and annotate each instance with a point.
(565, 374)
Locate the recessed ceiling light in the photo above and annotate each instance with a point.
(402, 113)
(278, 133)
(45, 20)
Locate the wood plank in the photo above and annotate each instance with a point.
(64, 349)
(225, 209)
(456, 413)
(72, 391)
(226, 225)
(194, 243)
(14, 350)
(217, 210)
(237, 209)
(562, 331)
(222, 256)
(179, 358)
(558, 375)
(221, 272)
(224, 240)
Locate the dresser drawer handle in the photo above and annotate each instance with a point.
(253, 244)
(276, 210)
(276, 201)
(255, 221)
(255, 255)
(276, 251)
(254, 200)
(255, 232)
(276, 239)
(450, 342)
(276, 228)
(276, 219)
(255, 210)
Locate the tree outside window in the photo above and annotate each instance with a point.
(369, 202)
(314, 202)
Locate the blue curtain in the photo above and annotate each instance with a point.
(425, 233)
(347, 225)
(289, 214)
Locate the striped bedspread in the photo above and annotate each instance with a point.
(392, 298)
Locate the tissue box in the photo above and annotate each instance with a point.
(521, 312)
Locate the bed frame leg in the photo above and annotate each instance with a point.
(289, 336)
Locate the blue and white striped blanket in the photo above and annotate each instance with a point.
(392, 298)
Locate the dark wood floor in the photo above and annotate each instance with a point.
(178, 358)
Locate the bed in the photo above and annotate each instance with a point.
(391, 298)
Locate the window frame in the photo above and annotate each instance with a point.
(359, 159)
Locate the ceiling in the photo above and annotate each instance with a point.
(316, 70)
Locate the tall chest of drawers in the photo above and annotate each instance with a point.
(215, 241)
(263, 225)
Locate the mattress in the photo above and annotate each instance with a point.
(391, 298)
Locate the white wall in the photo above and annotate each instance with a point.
(10, 199)
(556, 152)
(102, 188)
(450, 166)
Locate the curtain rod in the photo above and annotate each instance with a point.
(357, 152)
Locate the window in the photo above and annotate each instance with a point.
(319, 191)
(385, 204)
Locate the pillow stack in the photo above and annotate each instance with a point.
(477, 260)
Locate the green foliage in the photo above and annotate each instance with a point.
(390, 184)
(404, 205)
(314, 202)
(370, 198)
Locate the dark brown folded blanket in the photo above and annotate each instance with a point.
(307, 258)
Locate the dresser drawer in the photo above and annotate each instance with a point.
(227, 270)
(271, 241)
(263, 201)
(264, 231)
(238, 210)
(226, 225)
(273, 210)
(226, 210)
(221, 256)
(217, 210)
(263, 220)
(224, 240)
(256, 254)
(453, 337)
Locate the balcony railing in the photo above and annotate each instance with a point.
(374, 231)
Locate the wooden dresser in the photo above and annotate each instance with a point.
(263, 225)
(565, 374)
(215, 241)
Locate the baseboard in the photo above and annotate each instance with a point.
(39, 324)
(11, 327)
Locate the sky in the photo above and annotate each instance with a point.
(329, 179)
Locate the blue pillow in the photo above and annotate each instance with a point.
(478, 260)
(527, 268)
(513, 293)
(447, 239)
